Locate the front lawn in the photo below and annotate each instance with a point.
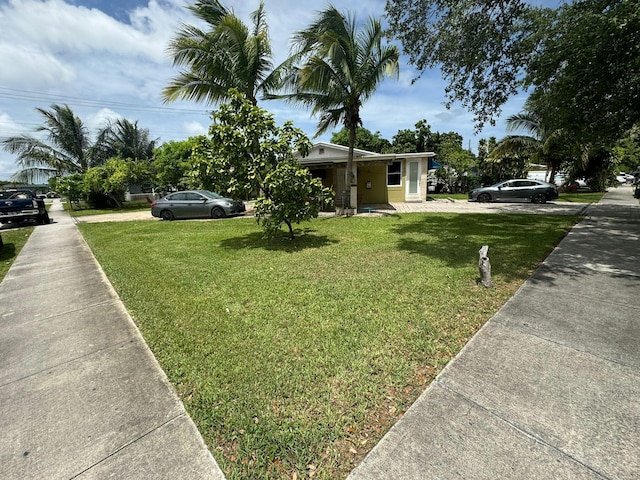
(295, 357)
(581, 196)
(83, 209)
(13, 240)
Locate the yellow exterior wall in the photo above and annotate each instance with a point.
(396, 194)
(377, 176)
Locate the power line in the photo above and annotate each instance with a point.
(16, 94)
(42, 97)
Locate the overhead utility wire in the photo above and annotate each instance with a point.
(87, 102)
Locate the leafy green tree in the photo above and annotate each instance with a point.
(627, 151)
(70, 187)
(365, 140)
(171, 163)
(247, 152)
(583, 56)
(481, 46)
(334, 69)
(587, 68)
(66, 149)
(456, 164)
(484, 148)
(596, 165)
(292, 196)
(227, 54)
(419, 140)
(106, 184)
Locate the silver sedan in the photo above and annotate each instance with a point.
(196, 204)
(524, 189)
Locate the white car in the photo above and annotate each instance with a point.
(625, 178)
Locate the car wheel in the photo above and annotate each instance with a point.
(217, 212)
(484, 197)
(166, 215)
(539, 198)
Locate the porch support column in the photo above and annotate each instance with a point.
(424, 181)
(354, 188)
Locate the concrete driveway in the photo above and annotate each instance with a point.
(447, 206)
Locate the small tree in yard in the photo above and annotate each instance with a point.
(70, 186)
(246, 152)
(292, 195)
(106, 185)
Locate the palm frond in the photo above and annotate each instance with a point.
(338, 67)
(65, 150)
(228, 55)
(210, 11)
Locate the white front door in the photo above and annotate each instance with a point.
(413, 180)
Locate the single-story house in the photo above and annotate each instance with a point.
(380, 178)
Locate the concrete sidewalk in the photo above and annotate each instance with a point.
(81, 395)
(549, 388)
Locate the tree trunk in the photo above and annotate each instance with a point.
(349, 173)
(485, 267)
(291, 233)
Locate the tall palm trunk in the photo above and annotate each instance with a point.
(348, 176)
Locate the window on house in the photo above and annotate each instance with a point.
(394, 174)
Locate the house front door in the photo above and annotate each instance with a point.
(413, 174)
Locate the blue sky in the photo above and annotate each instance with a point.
(107, 60)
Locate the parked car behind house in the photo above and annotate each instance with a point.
(535, 191)
(196, 204)
(625, 178)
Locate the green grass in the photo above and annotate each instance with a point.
(13, 241)
(581, 197)
(82, 209)
(295, 357)
(447, 196)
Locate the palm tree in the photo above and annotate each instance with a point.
(67, 148)
(228, 55)
(541, 144)
(125, 139)
(334, 69)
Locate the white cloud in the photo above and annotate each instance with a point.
(8, 126)
(97, 120)
(69, 30)
(193, 129)
(32, 67)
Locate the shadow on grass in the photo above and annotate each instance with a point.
(7, 252)
(304, 239)
(456, 239)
